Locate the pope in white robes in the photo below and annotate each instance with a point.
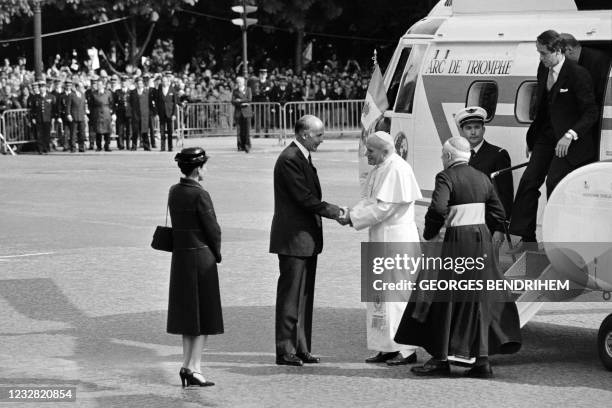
(387, 209)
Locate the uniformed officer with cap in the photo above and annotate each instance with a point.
(152, 84)
(42, 113)
(484, 156)
(261, 89)
(64, 128)
(88, 96)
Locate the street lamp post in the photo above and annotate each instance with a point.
(243, 9)
(245, 69)
(38, 65)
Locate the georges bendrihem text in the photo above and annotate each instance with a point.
(472, 284)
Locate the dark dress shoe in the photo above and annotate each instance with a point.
(289, 359)
(432, 368)
(399, 360)
(480, 371)
(308, 358)
(382, 357)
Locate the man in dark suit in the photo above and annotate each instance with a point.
(123, 110)
(62, 113)
(140, 103)
(594, 61)
(166, 102)
(76, 107)
(297, 237)
(484, 156)
(559, 139)
(598, 65)
(243, 112)
(151, 83)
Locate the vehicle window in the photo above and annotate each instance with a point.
(525, 105)
(397, 76)
(483, 94)
(405, 97)
(427, 26)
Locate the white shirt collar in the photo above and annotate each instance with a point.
(557, 68)
(477, 147)
(304, 151)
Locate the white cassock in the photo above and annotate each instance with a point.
(387, 209)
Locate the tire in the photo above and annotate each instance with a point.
(604, 342)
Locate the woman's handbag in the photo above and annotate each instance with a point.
(162, 237)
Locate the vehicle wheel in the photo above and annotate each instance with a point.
(604, 342)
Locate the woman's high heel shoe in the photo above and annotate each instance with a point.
(183, 374)
(192, 380)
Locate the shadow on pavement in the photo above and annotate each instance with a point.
(134, 344)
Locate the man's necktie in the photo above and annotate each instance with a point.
(310, 160)
(472, 153)
(550, 81)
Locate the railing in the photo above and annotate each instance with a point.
(17, 128)
(217, 119)
(340, 117)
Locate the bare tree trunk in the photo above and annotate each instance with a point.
(146, 41)
(299, 44)
(131, 30)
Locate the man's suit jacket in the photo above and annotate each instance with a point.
(296, 225)
(571, 105)
(238, 98)
(140, 108)
(490, 158)
(76, 107)
(598, 65)
(166, 104)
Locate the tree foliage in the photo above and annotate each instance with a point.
(299, 15)
(11, 8)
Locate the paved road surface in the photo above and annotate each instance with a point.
(83, 298)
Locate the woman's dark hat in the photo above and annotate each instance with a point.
(191, 155)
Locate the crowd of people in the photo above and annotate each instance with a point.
(49, 116)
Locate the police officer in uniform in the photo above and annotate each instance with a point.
(62, 113)
(485, 156)
(42, 113)
(121, 99)
(261, 93)
(88, 96)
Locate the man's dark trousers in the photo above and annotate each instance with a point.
(294, 319)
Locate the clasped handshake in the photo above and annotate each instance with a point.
(344, 216)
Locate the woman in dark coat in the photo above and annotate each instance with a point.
(102, 112)
(194, 306)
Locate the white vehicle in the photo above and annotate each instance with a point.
(482, 52)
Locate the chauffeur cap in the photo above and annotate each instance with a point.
(191, 155)
(470, 114)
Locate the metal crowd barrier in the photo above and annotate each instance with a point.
(339, 117)
(217, 119)
(269, 119)
(16, 126)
